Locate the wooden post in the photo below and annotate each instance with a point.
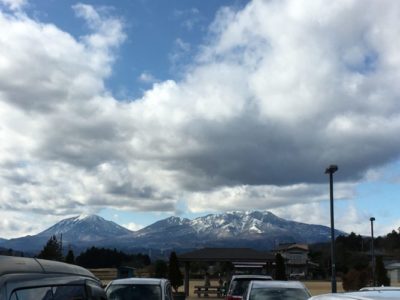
(187, 269)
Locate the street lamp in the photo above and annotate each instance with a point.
(372, 219)
(330, 170)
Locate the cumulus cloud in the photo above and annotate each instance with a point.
(266, 196)
(280, 90)
(17, 224)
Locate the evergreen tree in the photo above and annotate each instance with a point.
(52, 250)
(174, 273)
(356, 279)
(381, 274)
(70, 258)
(161, 269)
(280, 270)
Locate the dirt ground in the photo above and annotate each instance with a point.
(315, 288)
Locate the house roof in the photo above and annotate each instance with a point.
(286, 247)
(393, 266)
(227, 254)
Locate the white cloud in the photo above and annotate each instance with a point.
(190, 17)
(133, 226)
(281, 90)
(265, 197)
(14, 4)
(18, 224)
(147, 77)
(180, 53)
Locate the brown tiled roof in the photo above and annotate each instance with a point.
(227, 254)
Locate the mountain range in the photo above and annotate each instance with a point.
(254, 229)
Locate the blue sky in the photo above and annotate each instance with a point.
(161, 36)
(139, 110)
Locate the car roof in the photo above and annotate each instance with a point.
(23, 265)
(277, 284)
(381, 288)
(251, 277)
(136, 280)
(361, 295)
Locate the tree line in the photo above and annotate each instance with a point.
(93, 257)
(107, 258)
(354, 259)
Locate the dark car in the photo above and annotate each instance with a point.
(139, 289)
(37, 279)
(239, 284)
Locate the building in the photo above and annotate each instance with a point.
(296, 260)
(241, 258)
(393, 272)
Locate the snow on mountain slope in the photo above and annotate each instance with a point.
(85, 228)
(231, 228)
(253, 229)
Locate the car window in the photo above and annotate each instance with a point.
(134, 292)
(64, 292)
(168, 292)
(239, 286)
(75, 292)
(278, 294)
(38, 293)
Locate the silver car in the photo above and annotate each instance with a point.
(24, 278)
(139, 289)
(366, 294)
(276, 290)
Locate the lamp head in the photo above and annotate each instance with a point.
(331, 169)
(372, 219)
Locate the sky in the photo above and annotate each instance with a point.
(137, 110)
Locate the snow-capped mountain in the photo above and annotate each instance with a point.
(245, 229)
(78, 232)
(85, 228)
(254, 229)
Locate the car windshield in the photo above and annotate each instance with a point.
(134, 292)
(278, 294)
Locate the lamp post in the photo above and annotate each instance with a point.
(330, 170)
(372, 219)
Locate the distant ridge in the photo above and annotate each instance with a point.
(254, 229)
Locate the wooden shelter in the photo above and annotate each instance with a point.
(232, 255)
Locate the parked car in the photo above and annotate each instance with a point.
(239, 284)
(276, 290)
(381, 288)
(370, 294)
(139, 289)
(24, 278)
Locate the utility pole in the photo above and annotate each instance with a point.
(330, 170)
